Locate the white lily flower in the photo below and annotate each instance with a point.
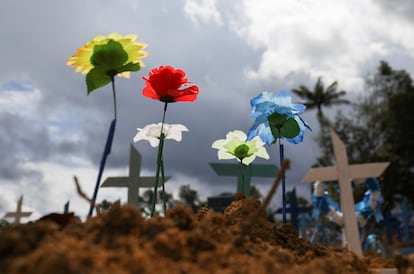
(152, 133)
(236, 146)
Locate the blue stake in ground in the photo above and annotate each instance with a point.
(406, 214)
(66, 207)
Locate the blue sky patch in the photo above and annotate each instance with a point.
(17, 85)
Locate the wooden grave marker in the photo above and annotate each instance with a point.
(245, 173)
(133, 182)
(294, 210)
(345, 173)
(19, 213)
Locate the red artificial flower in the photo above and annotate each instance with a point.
(169, 85)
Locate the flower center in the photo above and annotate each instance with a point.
(242, 151)
(167, 99)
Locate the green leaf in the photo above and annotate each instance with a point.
(110, 55)
(277, 119)
(129, 67)
(282, 126)
(96, 78)
(290, 128)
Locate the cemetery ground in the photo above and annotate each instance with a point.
(121, 241)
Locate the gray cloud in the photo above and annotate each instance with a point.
(63, 123)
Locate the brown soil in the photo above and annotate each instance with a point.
(122, 242)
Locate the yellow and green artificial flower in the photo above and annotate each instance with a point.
(106, 56)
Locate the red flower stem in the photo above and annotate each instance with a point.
(160, 167)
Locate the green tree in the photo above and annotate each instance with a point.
(321, 97)
(255, 192)
(190, 197)
(380, 129)
(318, 98)
(4, 224)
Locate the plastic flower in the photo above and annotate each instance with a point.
(276, 117)
(236, 146)
(152, 133)
(169, 85)
(107, 56)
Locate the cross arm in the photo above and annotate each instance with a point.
(264, 170)
(321, 174)
(14, 214)
(149, 181)
(259, 170)
(116, 182)
(364, 171)
(125, 181)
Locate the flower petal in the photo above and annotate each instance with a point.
(236, 146)
(169, 85)
(82, 59)
(265, 105)
(248, 160)
(224, 155)
(175, 132)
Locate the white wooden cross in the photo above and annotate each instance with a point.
(19, 213)
(345, 174)
(133, 182)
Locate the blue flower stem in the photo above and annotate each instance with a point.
(107, 151)
(160, 167)
(282, 157)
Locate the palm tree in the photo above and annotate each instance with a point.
(320, 97)
(316, 99)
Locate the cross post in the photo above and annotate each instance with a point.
(19, 213)
(133, 182)
(244, 173)
(294, 209)
(345, 174)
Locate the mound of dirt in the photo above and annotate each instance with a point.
(122, 242)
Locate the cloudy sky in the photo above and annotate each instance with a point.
(232, 49)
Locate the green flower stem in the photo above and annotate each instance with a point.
(243, 184)
(164, 198)
(160, 167)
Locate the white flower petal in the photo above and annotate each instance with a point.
(152, 132)
(236, 134)
(175, 132)
(248, 160)
(218, 144)
(224, 155)
(262, 153)
(154, 142)
(140, 135)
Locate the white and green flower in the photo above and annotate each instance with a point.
(236, 146)
(152, 133)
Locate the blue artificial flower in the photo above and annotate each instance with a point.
(276, 117)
